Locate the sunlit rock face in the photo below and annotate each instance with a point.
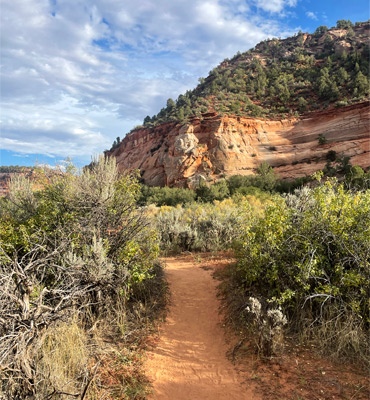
(214, 147)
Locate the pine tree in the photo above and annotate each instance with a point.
(342, 76)
(170, 104)
(361, 84)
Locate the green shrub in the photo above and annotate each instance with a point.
(310, 254)
(356, 178)
(165, 196)
(217, 191)
(331, 155)
(322, 139)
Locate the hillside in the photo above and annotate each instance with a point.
(277, 78)
(268, 104)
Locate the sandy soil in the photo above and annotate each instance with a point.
(189, 361)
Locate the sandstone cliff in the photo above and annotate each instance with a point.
(213, 147)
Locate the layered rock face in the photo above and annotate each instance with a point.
(215, 147)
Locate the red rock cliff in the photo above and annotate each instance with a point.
(175, 155)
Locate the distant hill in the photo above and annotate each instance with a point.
(281, 77)
(291, 103)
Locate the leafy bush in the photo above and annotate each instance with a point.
(340, 166)
(344, 24)
(356, 178)
(217, 191)
(322, 139)
(310, 254)
(288, 186)
(264, 180)
(165, 196)
(321, 30)
(331, 155)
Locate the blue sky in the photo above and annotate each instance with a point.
(75, 74)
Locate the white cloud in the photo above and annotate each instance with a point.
(275, 6)
(52, 130)
(76, 74)
(312, 15)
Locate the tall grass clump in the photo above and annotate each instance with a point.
(309, 254)
(75, 253)
(63, 357)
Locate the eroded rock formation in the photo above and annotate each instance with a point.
(182, 155)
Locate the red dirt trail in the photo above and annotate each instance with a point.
(189, 362)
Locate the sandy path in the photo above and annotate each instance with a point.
(189, 361)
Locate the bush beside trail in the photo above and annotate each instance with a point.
(310, 255)
(77, 258)
(206, 226)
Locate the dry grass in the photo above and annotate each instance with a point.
(63, 358)
(341, 338)
(120, 376)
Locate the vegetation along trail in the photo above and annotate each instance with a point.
(190, 361)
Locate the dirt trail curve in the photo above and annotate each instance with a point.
(189, 362)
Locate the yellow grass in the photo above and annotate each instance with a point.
(63, 357)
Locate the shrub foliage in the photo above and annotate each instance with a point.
(310, 254)
(208, 226)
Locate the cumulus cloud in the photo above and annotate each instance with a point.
(48, 130)
(312, 15)
(76, 74)
(275, 6)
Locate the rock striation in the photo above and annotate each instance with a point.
(215, 146)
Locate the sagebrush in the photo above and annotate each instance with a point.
(75, 251)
